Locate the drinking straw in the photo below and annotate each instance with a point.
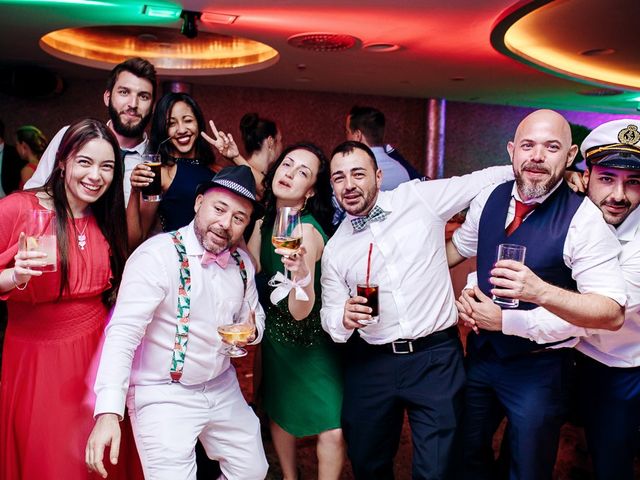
(369, 263)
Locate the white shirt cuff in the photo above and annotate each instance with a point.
(514, 322)
(110, 401)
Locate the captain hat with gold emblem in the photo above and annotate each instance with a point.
(614, 144)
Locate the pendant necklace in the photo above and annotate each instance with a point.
(82, 238)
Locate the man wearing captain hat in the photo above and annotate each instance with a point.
(174, 288)
(609, 363)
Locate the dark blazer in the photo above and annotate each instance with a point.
(11, 166)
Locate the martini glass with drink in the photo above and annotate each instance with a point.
(287, 231)
(239, 327)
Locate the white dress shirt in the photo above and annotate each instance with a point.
(408, 260)
(590, 250)
(47, 161)
(140, 336)
(393, 173)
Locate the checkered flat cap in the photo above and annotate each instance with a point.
(238, 179)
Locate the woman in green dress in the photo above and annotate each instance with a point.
(302, 378)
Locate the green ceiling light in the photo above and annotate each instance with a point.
(162, 11)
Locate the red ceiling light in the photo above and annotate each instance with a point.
(220, 18)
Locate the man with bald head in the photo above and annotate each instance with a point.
(568, 246)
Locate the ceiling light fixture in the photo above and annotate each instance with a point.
(381, 47)
(190, 26)
(223, 18)
(161, 11)
(170, 52)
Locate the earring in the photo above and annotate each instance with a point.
(304, 205)
(62, 173)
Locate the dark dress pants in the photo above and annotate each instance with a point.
(610, 400)
(532, 391)
(380, 386)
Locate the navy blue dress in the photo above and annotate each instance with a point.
(176, 207)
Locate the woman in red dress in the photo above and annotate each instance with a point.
(56, 319)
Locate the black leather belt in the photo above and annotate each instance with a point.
(403, 347)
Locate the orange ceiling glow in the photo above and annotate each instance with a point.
(166, 48)
(534, 35)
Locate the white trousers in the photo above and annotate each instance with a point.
(168, 419)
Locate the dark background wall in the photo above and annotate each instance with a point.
(314, 116)
(476, 134)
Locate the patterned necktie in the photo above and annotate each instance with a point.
(376, 214)
(522, 210)
(221, 258)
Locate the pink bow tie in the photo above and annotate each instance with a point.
(221, 258)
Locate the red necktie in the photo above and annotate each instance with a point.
(221, 259)
(522, 210)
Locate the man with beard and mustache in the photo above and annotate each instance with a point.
(176, 288)
(569, 246)
(411, 360)
(608, 362)
(129, 98)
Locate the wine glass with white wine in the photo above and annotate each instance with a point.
(238, 326)
(287, 231)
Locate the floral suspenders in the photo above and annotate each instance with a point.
(184, 304)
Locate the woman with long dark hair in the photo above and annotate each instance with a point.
(301, 377)
(56, 319)
(187, 161)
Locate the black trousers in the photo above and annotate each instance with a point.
(610, 401)
(380, 386)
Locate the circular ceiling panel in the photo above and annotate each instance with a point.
(586, 40)
(169, 51)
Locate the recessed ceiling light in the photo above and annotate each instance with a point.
(147, 37)
(380, 47)
(595, 52)
(161, 11)
(223, 18)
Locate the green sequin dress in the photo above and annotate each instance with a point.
(302, 377)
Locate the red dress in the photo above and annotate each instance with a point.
(48, 361)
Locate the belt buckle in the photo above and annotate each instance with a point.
(402, 343)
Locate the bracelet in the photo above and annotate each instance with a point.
(15, 282)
